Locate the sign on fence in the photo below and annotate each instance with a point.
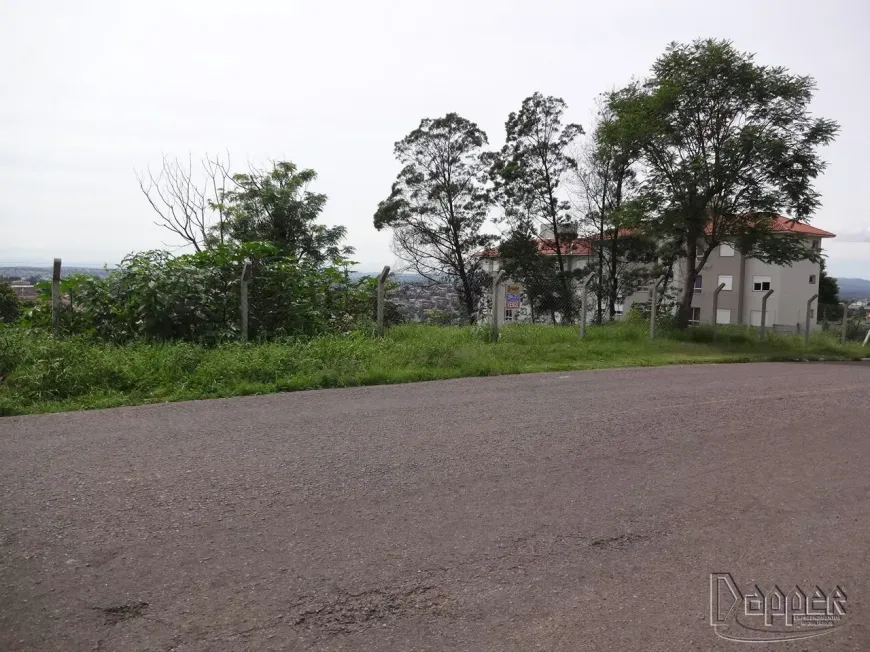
(512, 296)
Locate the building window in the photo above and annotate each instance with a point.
(619, 306)
(510, 314)
(812, 313)
(812, 279)
(760, 283)
(695, 317)
(698, 284)
(726, 251)
(723, 316)
(727, 280)
(816, 243)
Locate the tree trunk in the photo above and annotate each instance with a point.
(467, 295)
(600, 292)
(613, 280)
(684, 309)
(564, 282)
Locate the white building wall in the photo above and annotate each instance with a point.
(796, 291)
(786, 306)
(752, 299)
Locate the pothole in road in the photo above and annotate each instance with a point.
(122, 612)
(618, 542)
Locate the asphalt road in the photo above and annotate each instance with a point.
(578, 511)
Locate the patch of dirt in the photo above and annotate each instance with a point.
(618, 542)
(348, 612)
(122, 612)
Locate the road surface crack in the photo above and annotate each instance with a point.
(347, 612)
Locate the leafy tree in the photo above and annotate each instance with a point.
(607, 192)
(829, 288)
(529, 172)
(724, 144)
(276, 207)
(829, 295)
(10, 306)
(439, 203)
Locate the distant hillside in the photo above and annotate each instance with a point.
(854, 288)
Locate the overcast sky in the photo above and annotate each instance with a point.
(92, 90)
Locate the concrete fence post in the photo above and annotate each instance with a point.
(845, 322)
(716, 306)
(55, 297)
(653, 300)
(584, 294)
(243, 295)
(496, 277)
(382, 279)
(807, 329)
(764, 313)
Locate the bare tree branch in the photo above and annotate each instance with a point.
(186, 204)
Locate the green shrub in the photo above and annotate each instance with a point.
(10, 306)
(153, 296)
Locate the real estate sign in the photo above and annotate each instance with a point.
(512, 296)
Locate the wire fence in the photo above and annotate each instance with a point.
(857, 324)
(478, 301)
(501, 301)
(332, 302)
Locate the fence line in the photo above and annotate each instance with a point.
(493, 299)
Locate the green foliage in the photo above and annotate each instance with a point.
(547, 295)
(439, 203)
(607, 190)
(196, 297)
(829, 288)
(10, 306)
(42, 373)
(277, 208)
(725, 145)
(528, 174)
(531, 168)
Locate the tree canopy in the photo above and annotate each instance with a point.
(530, 170)
(528, 175)
(723, 145)
(276, 207)
(439, 203)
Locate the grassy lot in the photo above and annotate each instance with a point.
(42, 374)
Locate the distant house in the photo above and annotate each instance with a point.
(746, 281)
(24, 291)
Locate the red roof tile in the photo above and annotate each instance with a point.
(579, 247)
(582, 246)
(547, 246)
(788, 225)
(782, 223)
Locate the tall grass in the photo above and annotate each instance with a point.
(39, 373)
